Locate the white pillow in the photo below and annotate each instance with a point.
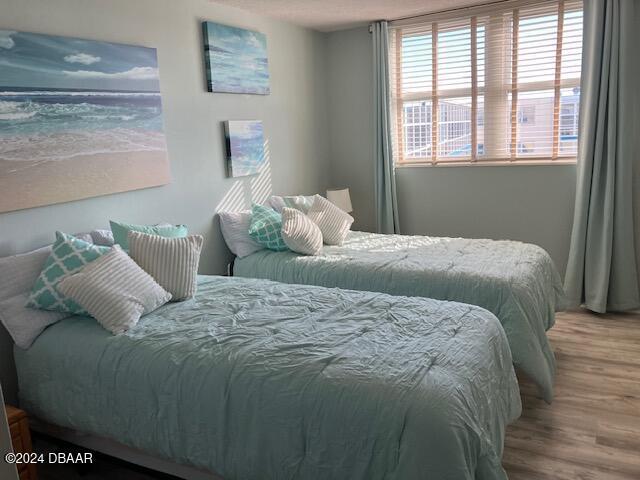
(299, 233)
(333, 222)
(18, 273)
(172, 262)
(235, 230)
(24, 324)
(299, 202)
(114, 290)
(100, 237)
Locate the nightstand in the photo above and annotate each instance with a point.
(21, 440)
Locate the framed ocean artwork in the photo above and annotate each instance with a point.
(78, 119)
(235, 59)
(245, 147)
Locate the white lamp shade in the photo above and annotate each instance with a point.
(341, 199)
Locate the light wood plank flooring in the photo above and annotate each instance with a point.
(591, 431)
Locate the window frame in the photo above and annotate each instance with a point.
(476, 91)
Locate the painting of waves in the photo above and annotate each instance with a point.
(245, 147)
(78, 118)
(236, 59)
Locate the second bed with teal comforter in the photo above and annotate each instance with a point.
(517, 282)
(261, 380)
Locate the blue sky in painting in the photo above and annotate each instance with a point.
(46, 61)
(236, 59)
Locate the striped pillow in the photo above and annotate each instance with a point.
(172, 262)
(333, 222)
(299, 233)
(115, 291)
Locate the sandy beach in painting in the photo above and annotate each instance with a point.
(88, 123)
(46, 182)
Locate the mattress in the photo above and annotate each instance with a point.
(254, 379)
(517, 282)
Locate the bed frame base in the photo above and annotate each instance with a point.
(120, 451)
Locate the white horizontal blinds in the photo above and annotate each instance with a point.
(513, 94)
(536, 81)
(395, 78)
(435, 104)
(498, 83)
(570, 68)
(413, 74)
(474, 88)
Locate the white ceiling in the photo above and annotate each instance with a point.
(331, 15)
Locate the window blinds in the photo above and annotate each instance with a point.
(499, 83)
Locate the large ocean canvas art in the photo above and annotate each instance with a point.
(245, 147)
(78, 118)
(235, 59)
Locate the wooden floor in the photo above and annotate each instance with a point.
(591, 431)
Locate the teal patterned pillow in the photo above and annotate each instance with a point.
(266, 228)
(68, 255)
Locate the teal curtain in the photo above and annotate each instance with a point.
(385, 182)
(602, 273)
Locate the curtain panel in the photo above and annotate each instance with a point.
(385, 182)
(601, 272)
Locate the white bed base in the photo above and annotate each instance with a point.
(123, 452)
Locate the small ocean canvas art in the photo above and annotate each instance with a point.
(245, 147)
(235, 59)
(78, 119)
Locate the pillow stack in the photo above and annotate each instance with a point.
(79, 277)
(297, 223)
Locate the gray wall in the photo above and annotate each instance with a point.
(350, 88)
(529, 203)
(533, 204)
(294, 115)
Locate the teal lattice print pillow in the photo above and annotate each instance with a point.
(266, 228)
(68, 255)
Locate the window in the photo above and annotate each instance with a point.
(527, 114)
(498, 83)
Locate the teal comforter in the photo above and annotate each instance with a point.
(261, 380)
(517, 282)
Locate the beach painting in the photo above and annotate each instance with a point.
(245, 147)
(235, 59)
(78, 119)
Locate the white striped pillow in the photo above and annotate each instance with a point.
(333, 222)
(299, 233)
(114, 290)
(172, 262)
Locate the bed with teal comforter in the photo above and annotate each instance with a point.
(517, 282)
(260, 380)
